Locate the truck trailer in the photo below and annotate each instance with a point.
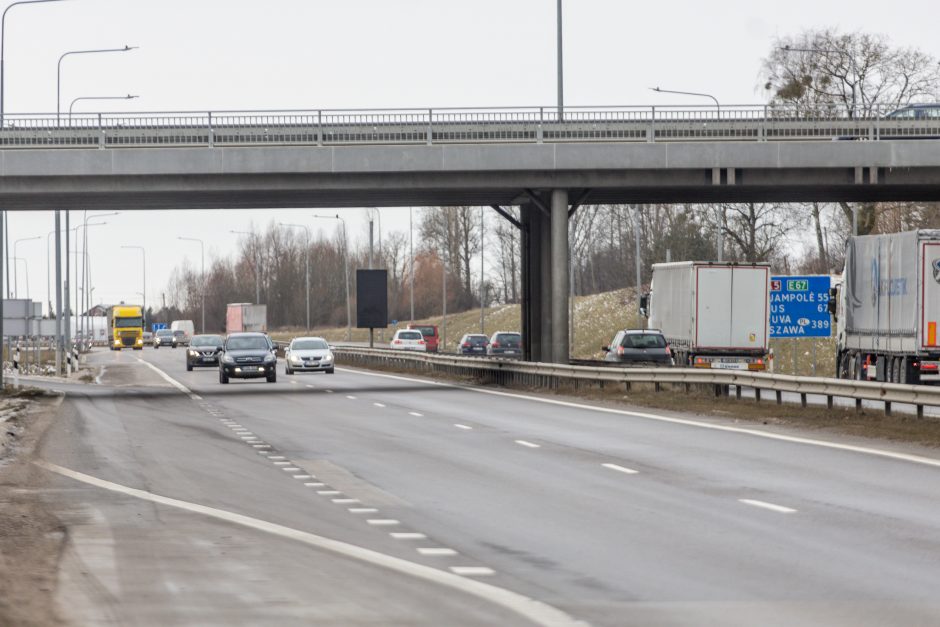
(712, 314)
(887, 308)
(241, 317)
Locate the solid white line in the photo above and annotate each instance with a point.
(533, 610)
(382, 521)
(472, 571)
(179, 386)
(914, 459)
(362, 510)
(407, 535)
(465, 427)
(628, 471)
(776, 508)
(436, 551)
(414, 413)
(528, 444)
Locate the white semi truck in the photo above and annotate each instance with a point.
(887, 308)
(713, 314)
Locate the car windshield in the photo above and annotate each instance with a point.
(253, 342)
(426, 331)
(164, 333)
(129, 322)
(643, 340)
(207, 340)
(179, 333)
(409, 335)
(308, 345)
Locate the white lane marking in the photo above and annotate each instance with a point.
(290, 469)
(465, 427)
(179, 386)
(472, 571)
(914, 459)
(533, 610)
(623, 469)
(378, 404)
(362, 510)
(407, 535)
(528, 444)
(196, 397)
(764, 504)
(281, 463)
(328, 391)
(296, 382)
(309, 386)
(248, 437)
(352, 398)
(276, 457)
(314, 484)
(414, 413)
(436, 551)
(382, 521)
(303, 476)
(345, 501)
(261, 446)
(328, 492)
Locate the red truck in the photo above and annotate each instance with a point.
(429, 331)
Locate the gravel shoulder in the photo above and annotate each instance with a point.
(31, 538)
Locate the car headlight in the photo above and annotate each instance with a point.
(269, 358)
(193, 354)
(228, 359)
(295, 359)
(328, 357)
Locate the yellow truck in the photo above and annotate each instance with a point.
(125, 327)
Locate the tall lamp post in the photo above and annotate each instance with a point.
(58, 82)
(15, 254)
(257, 265)
(3, 29)
(202, 247)
(143, 253)
(86, 268)
(306, 263)
(689, 93)
(26, 271)
(346, 268)
(80, 98)
(561, 66)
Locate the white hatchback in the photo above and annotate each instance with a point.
(408, 340)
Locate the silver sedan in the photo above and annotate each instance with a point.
(308, 354)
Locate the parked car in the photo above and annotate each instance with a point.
(409, 340)
(163, 337)
(247, 356)
(308, 354)
(203, 351)
(505, 344)
(473, 344)
(180, 338)
(639, 346)
(431, 336)
(148, 338)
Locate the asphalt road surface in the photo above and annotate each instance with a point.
(366, 498)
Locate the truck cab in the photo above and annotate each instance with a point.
(125, 327)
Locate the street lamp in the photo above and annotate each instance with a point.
(58, 84)
(257, 265)
(346, 268)
(15, 273)
(86, 260)
(306, 262)
(689, 93)
(561, 66)
(48, 259)
(202, 247)
(26, 271)
(74, 100)
(143, 252)
(828, 51)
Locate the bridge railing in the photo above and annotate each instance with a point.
(451, 125)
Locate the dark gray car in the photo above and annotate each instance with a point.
(639, 346)
(505, 344)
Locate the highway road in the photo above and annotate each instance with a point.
(369, 498)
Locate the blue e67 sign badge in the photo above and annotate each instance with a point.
(799, 306)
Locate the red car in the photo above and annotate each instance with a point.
(429, 331)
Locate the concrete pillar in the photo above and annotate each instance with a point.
(559, 260)
(533, 263)
(546, 268)
(525, 244)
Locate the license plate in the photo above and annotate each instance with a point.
(208, 358)
(728, 366)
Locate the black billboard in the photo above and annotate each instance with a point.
(371, 299)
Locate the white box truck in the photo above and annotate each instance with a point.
(188, 329)
(887, 308)
(713, 314)
(246, 317)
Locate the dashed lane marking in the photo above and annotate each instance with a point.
(378, 404)
(528, 444)
(328, 492)
(407, 535)
(780, 509)
(352, 398)
(531, 609)
(303, 476)
(314, 484)
(382, 521)
(623, 469)
(436, 551)
(464, 427)
(472, 571)
(362, 510)
(345, 501)
(414, 413)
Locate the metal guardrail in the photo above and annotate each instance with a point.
(506, 372)
(459, 126)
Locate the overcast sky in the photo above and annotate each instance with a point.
(309, 54)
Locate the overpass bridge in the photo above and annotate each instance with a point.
(525, 156)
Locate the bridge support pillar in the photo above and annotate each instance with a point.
(560, 276)
(544, 267)
(531, 283)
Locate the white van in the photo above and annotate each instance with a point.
(188, 329)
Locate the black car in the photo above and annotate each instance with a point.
(247, 356)
(505, 344)
(473, 344)
(639, 346)
(203, 351)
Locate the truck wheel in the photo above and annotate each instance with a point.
(857, 371)
(905, 374)
(844, 367)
